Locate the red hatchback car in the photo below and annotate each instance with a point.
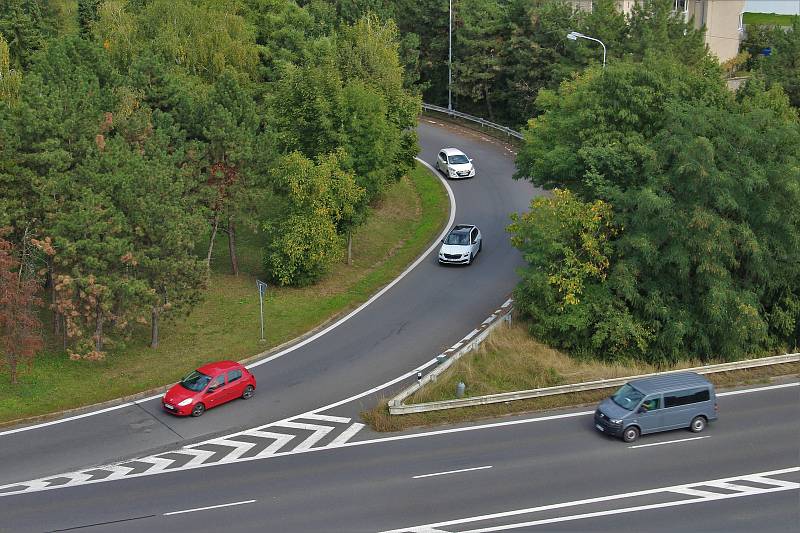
(209, 386)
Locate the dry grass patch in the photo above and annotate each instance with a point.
(510, 360)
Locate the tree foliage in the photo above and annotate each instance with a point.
(20, 327)
(782, 65)
(706, 260)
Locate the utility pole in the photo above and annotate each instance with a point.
(450, 58)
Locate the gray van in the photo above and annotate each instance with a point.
(658, 403)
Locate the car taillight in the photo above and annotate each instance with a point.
(716, 407)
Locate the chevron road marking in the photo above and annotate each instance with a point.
(326, 418)
(318, 433)
(230, 448)
(689, 489)
(346, 435)
(200, 456)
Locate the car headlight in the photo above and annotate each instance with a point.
(615, 421)
(465, 254)
(185, 402)
(451, 172)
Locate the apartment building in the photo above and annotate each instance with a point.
(720, 17)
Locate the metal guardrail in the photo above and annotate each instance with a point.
(402, 409)
(451, 355)
(453, 113)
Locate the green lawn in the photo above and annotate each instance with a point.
(768, 18)
(225, 324)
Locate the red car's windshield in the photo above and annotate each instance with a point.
(196, 381)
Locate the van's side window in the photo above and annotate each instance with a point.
(676, 399)
(650, 404)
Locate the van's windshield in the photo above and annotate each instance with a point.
(627, 397)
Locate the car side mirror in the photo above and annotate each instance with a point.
(470, 160)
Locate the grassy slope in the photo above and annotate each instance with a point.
(226, 324)
(511, 360)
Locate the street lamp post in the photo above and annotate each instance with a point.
(450, 57)
(574, 36)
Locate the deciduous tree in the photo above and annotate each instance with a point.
(20, 328)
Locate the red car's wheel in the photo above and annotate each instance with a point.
(199, 409)
(248, 392)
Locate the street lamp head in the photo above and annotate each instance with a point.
(572, 36)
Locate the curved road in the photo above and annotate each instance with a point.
(427, 311)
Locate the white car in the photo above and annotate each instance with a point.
(461, 245)
(454, 163)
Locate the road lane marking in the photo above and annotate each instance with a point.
(773, 485)
(452, 472)
(758, 389)
(209, 507)
(118, 473)
(669, 442)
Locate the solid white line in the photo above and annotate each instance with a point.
(209, 507)
(669, 442)
(759, 389)
(452, 472)
(621, 511)
(576, 503)
(313, 337)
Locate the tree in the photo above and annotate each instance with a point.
(20, 328)
(24, 28)
(230, 130)
(319, 197)
(705, 263)
(478, 45)
(87, 15)
(10, 79)
(782, 66)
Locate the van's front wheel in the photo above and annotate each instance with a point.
(630, 434)
(698, 424)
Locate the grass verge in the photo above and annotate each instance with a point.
(510, 360)
(772, 19)
(225, 324)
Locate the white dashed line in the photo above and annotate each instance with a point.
(452, 472)
(209, 507)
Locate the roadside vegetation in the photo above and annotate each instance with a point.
(510, 360)
(226, 324)
(771, 19)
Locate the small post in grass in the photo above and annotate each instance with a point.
(262, 290)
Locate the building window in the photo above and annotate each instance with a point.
(682, 6)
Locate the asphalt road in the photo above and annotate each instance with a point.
(537, 472)
(428, 310)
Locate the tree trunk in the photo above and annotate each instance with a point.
(232, 246)
(51, 284)
(154, 328)
(214, 229)
(98, 332)
(488, 104)
(349, 247)
(12, 369)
